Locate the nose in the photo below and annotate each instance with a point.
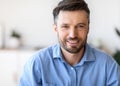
(73, 33)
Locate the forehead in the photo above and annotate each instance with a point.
(73, 16)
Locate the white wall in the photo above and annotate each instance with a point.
(105, 16)
(33, 19)
(11, 65)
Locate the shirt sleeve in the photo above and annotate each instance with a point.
(31, 75)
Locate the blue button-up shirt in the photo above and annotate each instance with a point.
(48, 68)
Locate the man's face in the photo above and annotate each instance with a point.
(72, 28)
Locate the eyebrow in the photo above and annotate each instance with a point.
(77, 24)
(81, 23)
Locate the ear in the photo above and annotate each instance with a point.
(55, 27)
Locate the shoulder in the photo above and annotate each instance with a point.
(46, 52)
(103, 61)
(101, 56)
(43, 54)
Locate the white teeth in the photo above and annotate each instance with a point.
(73, 41)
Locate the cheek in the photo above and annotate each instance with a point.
(83, 34)
(62, 35)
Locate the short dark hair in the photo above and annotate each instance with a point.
(70, 5)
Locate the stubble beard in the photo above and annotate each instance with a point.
(73, 49)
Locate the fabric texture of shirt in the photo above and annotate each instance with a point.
(47, 67)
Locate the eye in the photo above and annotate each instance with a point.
(81, 26)
(65, 26)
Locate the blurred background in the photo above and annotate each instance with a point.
(26, 26)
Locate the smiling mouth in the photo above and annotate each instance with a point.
(73, 42)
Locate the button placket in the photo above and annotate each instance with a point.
(73, 76)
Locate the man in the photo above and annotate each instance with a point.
(72, 62)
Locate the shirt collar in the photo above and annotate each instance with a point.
(87, 57)
(57, 51)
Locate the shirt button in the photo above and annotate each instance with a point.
(72, 68)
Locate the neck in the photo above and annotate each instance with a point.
(72, 58)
